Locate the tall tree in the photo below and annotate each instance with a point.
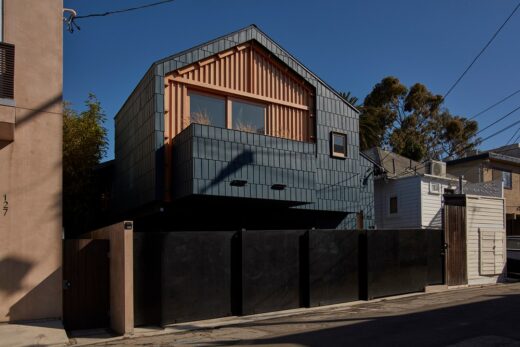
(84, 144)
(413, 122)
(368, 135)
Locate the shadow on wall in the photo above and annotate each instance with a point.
(243, 159)
(12, 272)
(36, 302)
(39, 110)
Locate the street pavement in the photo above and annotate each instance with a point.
(484, 316)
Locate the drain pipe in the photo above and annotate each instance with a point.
(461, 178)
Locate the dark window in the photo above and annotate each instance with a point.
(338, 145)
(507, 179)
(207, 110)
(393, 204)
(6, 70)
(248, 117)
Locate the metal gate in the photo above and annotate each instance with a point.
(455, 236)
(86, 284)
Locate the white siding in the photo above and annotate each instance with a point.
(485, 239)
(407, 190)
(431, 204)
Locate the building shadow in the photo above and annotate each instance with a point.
(493, 319)
(243, 159)
(35, 304)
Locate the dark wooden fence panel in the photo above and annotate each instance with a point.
(395, 262)
(333, 266)
(86, 276)
(435, 255)
(270, 270)
(196, 276)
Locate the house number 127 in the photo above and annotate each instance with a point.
(6, 204)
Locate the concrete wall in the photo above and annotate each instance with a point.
(121, 274)
(31, 165)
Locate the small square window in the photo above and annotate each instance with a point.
(338, 145)
(393, 205)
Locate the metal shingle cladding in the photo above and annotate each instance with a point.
(206, 160)
(338, 181)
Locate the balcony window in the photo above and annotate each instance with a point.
(338, 145)
(207, 110)
(248, 117)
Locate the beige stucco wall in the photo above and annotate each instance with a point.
(121, 274)
(31, 165)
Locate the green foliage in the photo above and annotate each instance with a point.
(412, 122)
(84, 144)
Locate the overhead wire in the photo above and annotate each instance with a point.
(495, 104)
(72, 24)
(481, 51)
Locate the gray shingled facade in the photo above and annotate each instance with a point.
(140, 136)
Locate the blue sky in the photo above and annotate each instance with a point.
(350, 44)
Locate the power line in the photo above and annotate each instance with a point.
(124, 10)
(516, 132)
(71, 24)
(495, 104)
(481, 51)
(498, 120)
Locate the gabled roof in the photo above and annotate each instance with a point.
(225, 42)
(394, 165)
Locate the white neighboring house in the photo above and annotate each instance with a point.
(408, 194)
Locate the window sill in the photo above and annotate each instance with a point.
(7, 102)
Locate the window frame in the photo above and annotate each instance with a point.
(208, 95)
(231, 99)
(228, 102)
(502, 172)
(333, 153)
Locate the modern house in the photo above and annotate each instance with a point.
(30, 159)
(409, 194)
(237, 133)
(501, 164)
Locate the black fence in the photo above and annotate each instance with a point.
(183, 276)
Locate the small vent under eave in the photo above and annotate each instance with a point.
(6, 70)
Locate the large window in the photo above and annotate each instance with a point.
(207, 110)
(507, 179)
(248, 117)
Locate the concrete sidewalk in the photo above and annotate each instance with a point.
(36, 333)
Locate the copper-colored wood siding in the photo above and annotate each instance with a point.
(244, 72)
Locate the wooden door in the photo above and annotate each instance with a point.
(455, 236)
(86, 284)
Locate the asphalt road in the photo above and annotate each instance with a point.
(487, 316)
